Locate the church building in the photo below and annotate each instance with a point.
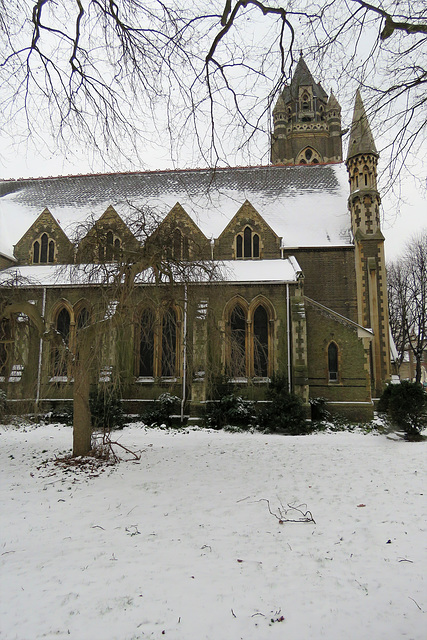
(194, 278)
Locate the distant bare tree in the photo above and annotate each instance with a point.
(407, 288)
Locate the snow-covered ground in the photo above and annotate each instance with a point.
(181, 544)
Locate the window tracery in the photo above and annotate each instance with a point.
(158, 343)
(308, 156)
(43, 250)
(179, 249)
(249, 339)
(247, 244)
(110, 249)
(67, 321)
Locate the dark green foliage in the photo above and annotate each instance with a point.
(406, 405)
(230, 410)
(161, 413)
(106, 409)
(62, 415)
(383, 402)
(2, 404)
(319, 412)
(285, 413)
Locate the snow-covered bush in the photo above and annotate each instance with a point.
(161, 413)
(406, 406)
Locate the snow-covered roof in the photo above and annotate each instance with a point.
(304, 205)
(226, 271)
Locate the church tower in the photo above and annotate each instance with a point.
(307, 124)
(364, 202)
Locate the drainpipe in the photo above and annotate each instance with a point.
(184, 357)
(288, 330)
(39, 369)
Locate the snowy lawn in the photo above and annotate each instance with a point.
(181, 544)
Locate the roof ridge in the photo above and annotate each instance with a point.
(157, 171)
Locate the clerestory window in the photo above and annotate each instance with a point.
(43, 250)
(247, 244)
(111, 248)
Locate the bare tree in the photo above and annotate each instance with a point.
(111, 72)
(407, 287)
(397, 288)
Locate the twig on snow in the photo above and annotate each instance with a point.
(415, 602)
(282, 512)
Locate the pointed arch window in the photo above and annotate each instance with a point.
(260, 342)
(169, 335)
(333, 362)
(308, 156)
(36, 252)
(237, 347)
(51, 254)
(249, 340)
(83, 319)
(146, 344)
(6, 345)
(247, 244)
(60, 351)
(43, 250)
(180, 246)
(158, 344)
(110, 247)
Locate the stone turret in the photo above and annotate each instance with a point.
(364, 203)
(307, 124)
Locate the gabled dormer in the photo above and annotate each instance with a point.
(44, 243)
(247, 237)
(179, 238)
(108, 239)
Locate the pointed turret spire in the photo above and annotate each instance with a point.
(361, 139)
(333, 103)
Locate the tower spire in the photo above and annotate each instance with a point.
(364, 203)
(361, 138)
(307, 125)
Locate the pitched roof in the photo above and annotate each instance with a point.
(302, 77)
(305, 205)
(361, 138)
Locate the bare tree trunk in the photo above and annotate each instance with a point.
(82, 419)
(418, 367)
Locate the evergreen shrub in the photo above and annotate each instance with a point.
(230, 411)
(161, 413)
(319, 412)
(106, 409)
(406, 405)
(2, 404)
(285, 413)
